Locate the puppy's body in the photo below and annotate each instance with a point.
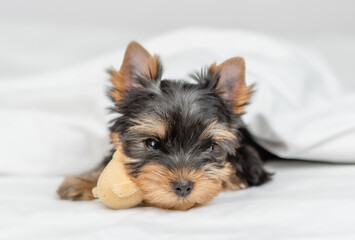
(182, 142)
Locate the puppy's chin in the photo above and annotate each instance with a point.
(178, 205)
(184, 206)
(172, 206)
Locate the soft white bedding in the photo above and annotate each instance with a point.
(304, 201)
(60, 128)
(299, 111)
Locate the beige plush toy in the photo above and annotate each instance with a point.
(114, 187)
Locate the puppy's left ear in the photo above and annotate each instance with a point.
(231, 82)
(139, 69)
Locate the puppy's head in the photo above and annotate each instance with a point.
(177, 136)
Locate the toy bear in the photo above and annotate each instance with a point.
(114, 188)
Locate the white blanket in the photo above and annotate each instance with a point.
(304, 201)
(55, 123)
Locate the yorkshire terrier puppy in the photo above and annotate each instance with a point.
(183, 143)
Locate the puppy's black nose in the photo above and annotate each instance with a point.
(182, 187)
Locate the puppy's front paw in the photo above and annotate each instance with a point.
(75, 189)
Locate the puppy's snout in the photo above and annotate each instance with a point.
(182, 187)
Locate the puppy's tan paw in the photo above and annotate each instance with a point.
(76, 189)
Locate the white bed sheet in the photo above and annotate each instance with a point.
(300, 110)
(304, 201)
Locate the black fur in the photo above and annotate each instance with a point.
(187, 109)
(249, 166)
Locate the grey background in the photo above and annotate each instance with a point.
(57, 34)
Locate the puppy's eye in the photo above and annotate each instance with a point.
(209, 148)
(151, 143)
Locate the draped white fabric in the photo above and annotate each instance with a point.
(55, 123)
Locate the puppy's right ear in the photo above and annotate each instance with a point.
(231, 82)
(138, 70)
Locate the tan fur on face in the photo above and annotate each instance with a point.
(217, 132)
(149, 126)
(155, 182)
(115, 140)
